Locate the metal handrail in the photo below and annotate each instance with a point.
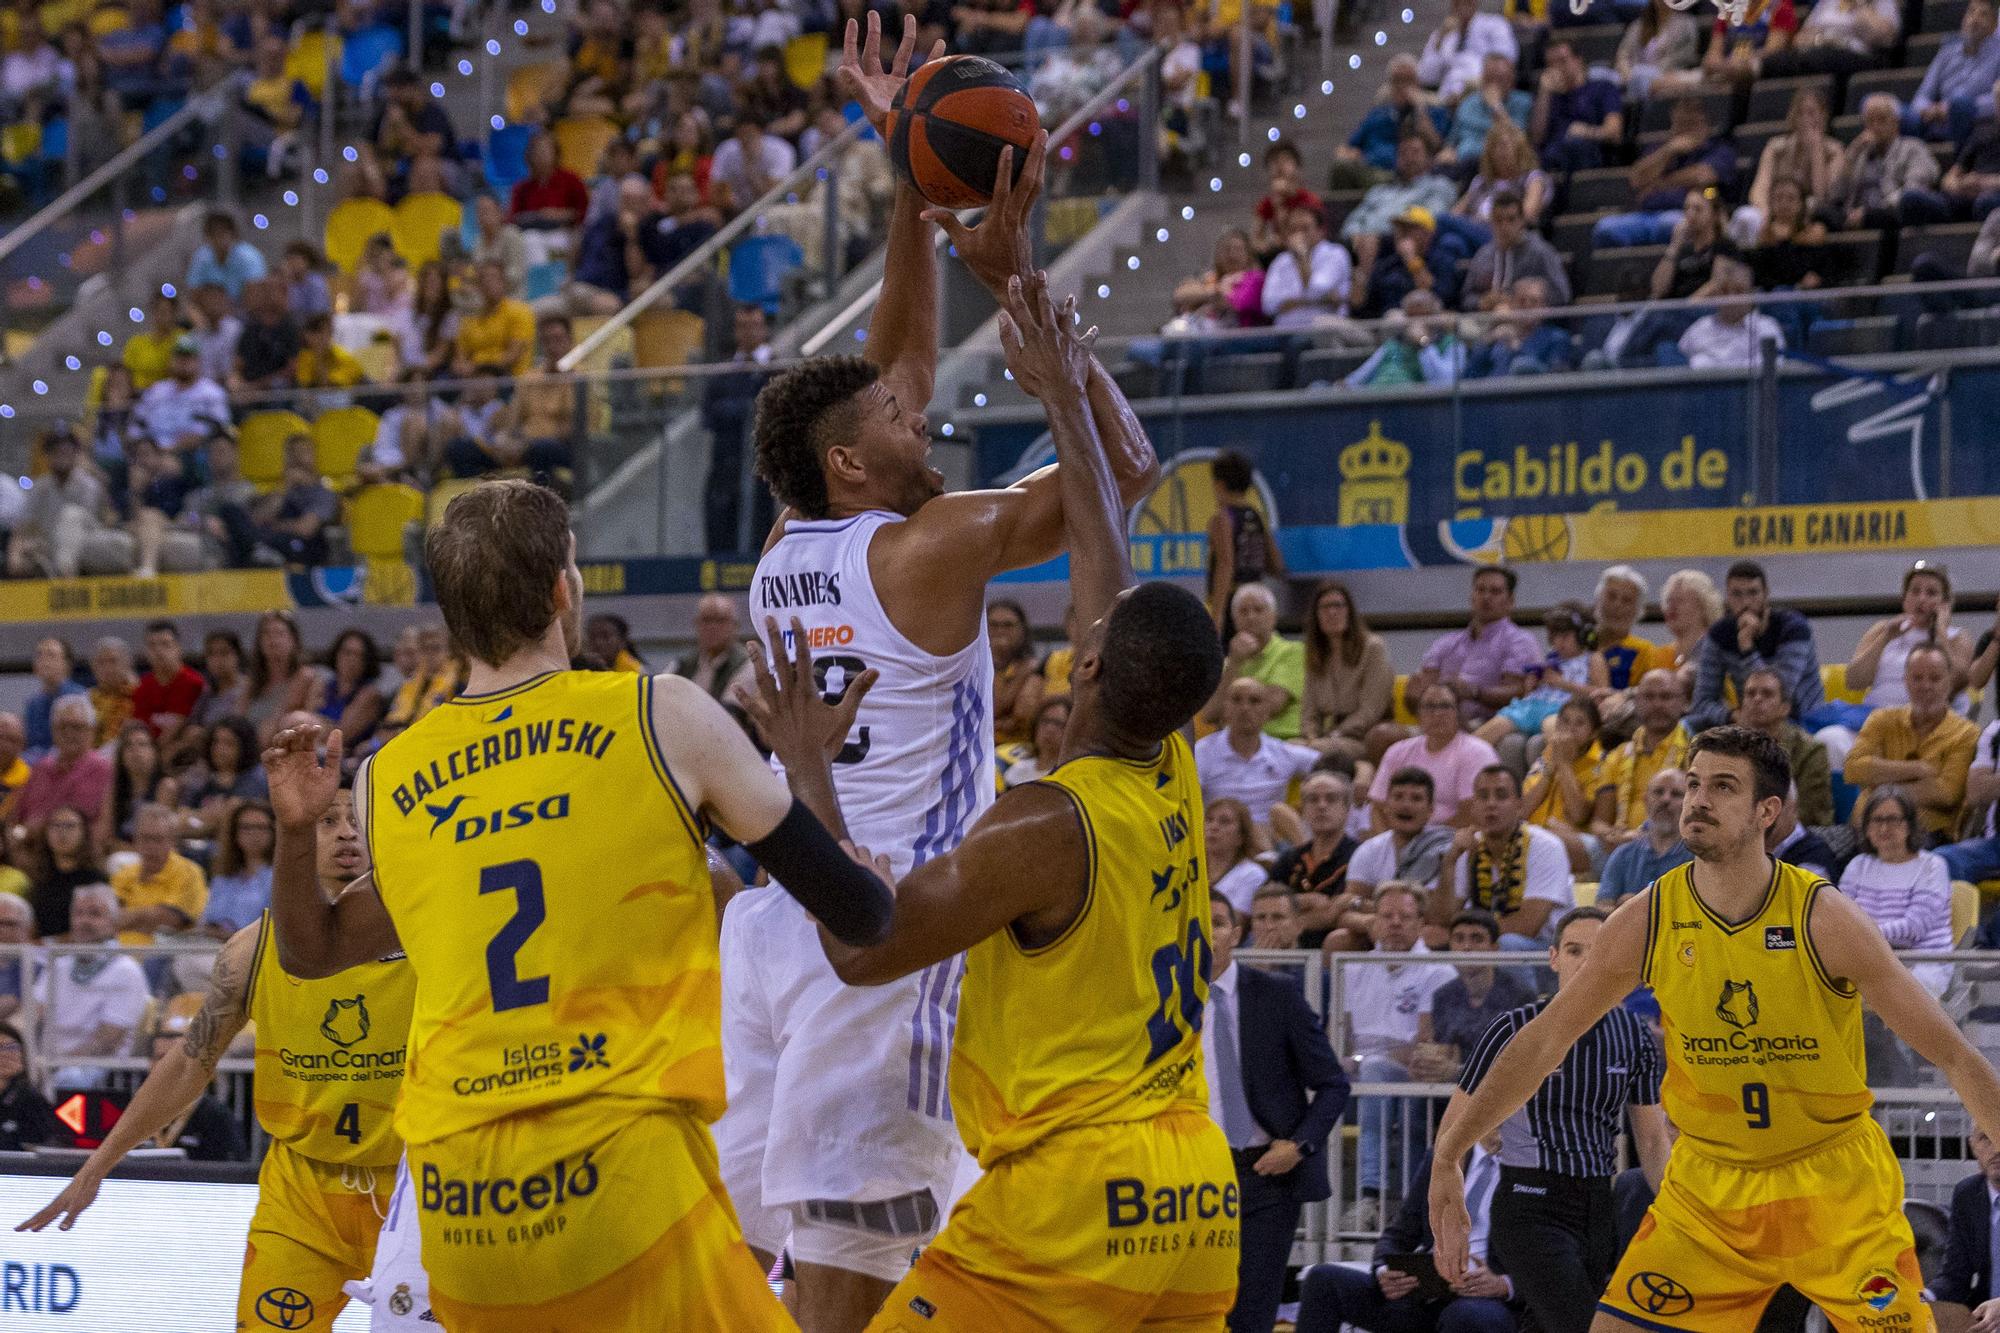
(704, 254)
(1075, 124)
(120, 162)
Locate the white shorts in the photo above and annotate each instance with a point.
(398, 1293)
(835, 1091)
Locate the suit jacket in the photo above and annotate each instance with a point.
(732, 662)
(1291, 1077)
(1409, 1232)
(1967, 1278)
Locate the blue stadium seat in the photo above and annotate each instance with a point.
(364, 54)
(757, 269)
(506, 158)
(545, 279)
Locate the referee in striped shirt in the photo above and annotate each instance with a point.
(1554, 1228)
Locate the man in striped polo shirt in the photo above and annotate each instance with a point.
(1554, 1229)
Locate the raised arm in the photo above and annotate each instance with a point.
(1607, 977)
(316, 937)
(175, 1083)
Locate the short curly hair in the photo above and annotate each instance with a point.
(799, 414)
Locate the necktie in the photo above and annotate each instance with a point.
(1238, 1125)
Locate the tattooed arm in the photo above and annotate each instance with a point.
(176, 1083)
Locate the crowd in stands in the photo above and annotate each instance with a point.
(1520, 161)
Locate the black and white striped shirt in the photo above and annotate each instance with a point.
(1571, 1125)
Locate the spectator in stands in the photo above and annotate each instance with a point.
(1450, 755)
(434, 678)
(1410, 847)
(322, 363)
(1314, 867)
(1765, 706)
(728, 406)
(1274, 918)
(615, 257)
(180, 412)
(1502, 864)
(1561, 789)
(1877, 663)
(280, 680)
(550, 198)
(1789, 250)
(500, 242)
(427, 339)
(1039, 758)
(1388, 1018)
(65, 509)
(1422, 347)
(1403, 111)
(268, 344)
(1229, 838)
(224, 258)
(163, 891)
(1732, 336)
(1413, 187)
(1693, 160)
(1569, 671)
(536, 428)
(138, 777)
(290, 523)
(147, 352)
(1017, 672)
(1229, 295)
(1257, 651)
(227, 774)
(277, 105)
(1660, 742)
(1970, 1278)
(32, 66)
(72, 773)
(349, 695)
(1241, 548)
(1735, 48)
(1958, 87)
(303, 271)
(1069, 77)
(1456, 49)
(1575, 116)
(718, 663)
(1970, 191)
(228, 687)
(409, 146)
(1486, 664)
(60, 857)
(1790, 841)
(686, 222)
(1348, 679)
(1418, 260)
(95, 1000)
(216, 329)
(131, 53)
(1838, 37)
(1466, 1006)
(1804, 154)
(1243, 760)
(1903, 888)
(1978, 858)
(1494, 102)
(1306, 284)
(1285, 193)
(1922, 746)
(499, 332)
(14, 768)
(218, 512)
(1880, 166)
(608, 639)
(1506, 165)
(1619, 602)
(167, 693)
(1689, 604)
(751, 162)
(54, 667)
(1333, 1296)
(1753, 633)
(115, 680)
(1656, 849)
(1659, 45)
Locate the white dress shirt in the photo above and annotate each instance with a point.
(1221, 1008)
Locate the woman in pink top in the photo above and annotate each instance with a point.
(1452, 756)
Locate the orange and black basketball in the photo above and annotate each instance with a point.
(949, 123)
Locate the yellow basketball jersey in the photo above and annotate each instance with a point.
(329, 1056)
(549, 883)
(1764, 1056)
(1103, 1024)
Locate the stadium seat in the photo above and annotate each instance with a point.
(1855, 258)
(662, 339)
(376, 517)
(1950, 243)
(1570, 233)
(1964, 909)
(1599, 187)
(1942, 15)
(1770, 99)
(306, 61)
(1960, 328)
(1253, 372)
(1898, 83)
(261, 442)
(441, 495)
(420, 224)
(1920, 50)
(581, 140)
(545, 279)
(1833, 684)
(339, 437)
(805, 59)
(1400, 706)
(366, 53)
(1750, 139)
(1586, 892)
(351, 225)
(1869, 336)
(506, 157)
(757, 269)
(1595, 45)
(529, 86)
(1328, 365)
(378, 358)
(1624, 271)
(1720, 104)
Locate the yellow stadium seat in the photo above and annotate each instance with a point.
(805, 59)
(529, 86)
(339, 436)
(581, 140)
(1833, 682)
(376, 517)
(261, 442)
(1401, 711)
(107, 19)
(1964, 910)
(308, 57)
(351, 225)
(664, 338)
(420, 224)
(1586, 892)
(443, 494)
(378, 359)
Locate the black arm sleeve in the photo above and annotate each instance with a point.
(850, 901)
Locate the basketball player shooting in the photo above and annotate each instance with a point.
(837, 1141)
(1780, 1175)
(1109, 1199)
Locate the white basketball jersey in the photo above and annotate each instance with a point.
(917, 768)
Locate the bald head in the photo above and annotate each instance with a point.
(715, 623)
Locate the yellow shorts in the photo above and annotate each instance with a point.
(557, 1222)
(1107, 1227)
(314, 1228)
(1721, 1238)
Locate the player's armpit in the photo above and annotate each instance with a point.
(1025, 865)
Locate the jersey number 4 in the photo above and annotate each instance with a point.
(510, 989)
(1174, 969)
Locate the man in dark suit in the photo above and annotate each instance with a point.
(1275, 1087)
(1969, 1278)
(1384, 1300)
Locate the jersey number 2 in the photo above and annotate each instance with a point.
(510, 989)
(1174, 967)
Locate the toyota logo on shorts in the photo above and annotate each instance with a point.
(1658, 1294)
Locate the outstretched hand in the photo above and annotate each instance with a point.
(999, 248)
(861, 75)
(794, 718)
(1039, 338)
(69, 1205)
(302, 781)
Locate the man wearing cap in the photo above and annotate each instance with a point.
(1414, 262)
(181, 411)
(1415, 186)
